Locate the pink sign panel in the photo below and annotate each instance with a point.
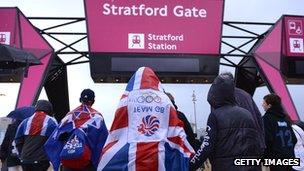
(158, 26)
(276, 81)
(294, 31)
(17, 31)
(8, 25)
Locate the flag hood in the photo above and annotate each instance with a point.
(144, 78)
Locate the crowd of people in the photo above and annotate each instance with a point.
(150, 133)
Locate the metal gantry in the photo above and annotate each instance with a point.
(238, 39)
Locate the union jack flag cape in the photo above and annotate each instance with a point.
(146, 133)
(87, 120)
(38, 124)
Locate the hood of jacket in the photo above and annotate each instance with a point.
(45, 106)
(221, 92)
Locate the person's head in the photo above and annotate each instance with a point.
(271, 100)
(227, 75)
(44, 106)
(221, 92)
(87, 97)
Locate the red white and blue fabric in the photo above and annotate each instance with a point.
(38, 124)
(85, 119)
(146, 133)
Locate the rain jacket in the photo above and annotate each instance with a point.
(8, 150)
(230, 133)
(32, 133)
(244, 100)
(146, 133)
(279, 136)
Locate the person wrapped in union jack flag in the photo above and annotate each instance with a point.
(77, 142)
(32, 133)
(146, 133)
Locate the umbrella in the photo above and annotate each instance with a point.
(22, 113)
(11, 58)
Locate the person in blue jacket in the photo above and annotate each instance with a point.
(279, 136)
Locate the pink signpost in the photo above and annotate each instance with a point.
(183, 26)
(177, 38)
(294, 36)
(280, 55)
(17, 31)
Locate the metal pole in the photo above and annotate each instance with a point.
(194, 107)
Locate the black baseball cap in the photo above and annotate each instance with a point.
(87, 95)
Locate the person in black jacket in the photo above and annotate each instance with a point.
(195, 143)
(244, 100)
(8, 150)
(279, 136)
(230, 133)
(31, 135)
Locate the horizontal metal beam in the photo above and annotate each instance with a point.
(247, 23)
(235, 55)
(240, 37)
(56, 18)
(66, 33)
(80, 62)
(71, 53)
(227, 65)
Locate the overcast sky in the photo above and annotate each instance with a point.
(107, 95)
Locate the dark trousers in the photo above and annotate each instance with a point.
(40, 166)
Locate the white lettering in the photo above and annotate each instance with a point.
(237, 162)
(282, 124)
(161, 46)
(166, 37)
(202, 13)
(180, 11)
(106, 9)
(247, 162)
(142, 10)
(163, 11)
(282, 162)
(127, 11)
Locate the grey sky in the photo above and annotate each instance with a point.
(107, 95)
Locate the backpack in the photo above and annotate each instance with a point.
(75, 154)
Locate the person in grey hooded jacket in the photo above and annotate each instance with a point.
(231, 132)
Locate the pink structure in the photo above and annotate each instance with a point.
(192, 27)
(17, 31)
(280, 47)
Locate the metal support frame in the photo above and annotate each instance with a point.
(68, 48)
(236, 50)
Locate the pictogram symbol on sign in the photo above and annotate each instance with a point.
(136, 41)
(295, 27)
